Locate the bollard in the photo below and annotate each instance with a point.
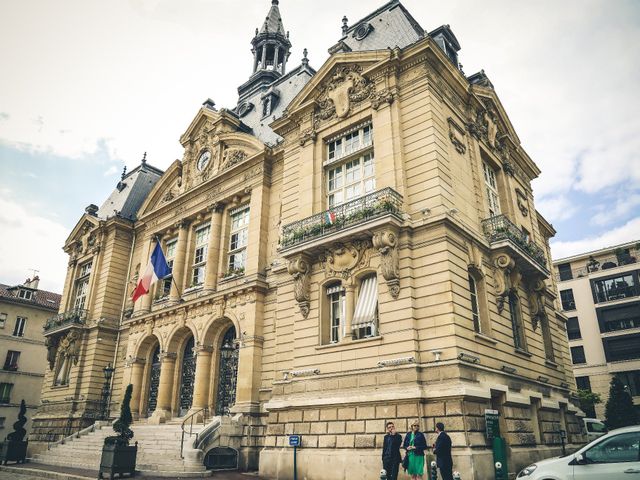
(383, 474)
(498, 466)
(434, 471)
(456, 475)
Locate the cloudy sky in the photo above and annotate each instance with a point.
(87, 86)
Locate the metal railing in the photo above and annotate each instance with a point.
(499, 228)
(76, 316)
(190, 420)
(377, 204)
(592, 266)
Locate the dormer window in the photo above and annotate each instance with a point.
(25, 294)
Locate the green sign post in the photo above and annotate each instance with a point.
(493, 425)
(499, 446)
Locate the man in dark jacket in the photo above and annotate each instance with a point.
(391, 452)
(442, 451)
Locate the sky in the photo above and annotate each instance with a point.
(88, 86)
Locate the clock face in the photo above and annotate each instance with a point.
(203, 161)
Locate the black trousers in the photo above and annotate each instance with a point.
(446, 472)
(391, 466)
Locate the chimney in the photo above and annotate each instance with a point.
(34, 283)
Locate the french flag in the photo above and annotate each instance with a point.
(157, 268)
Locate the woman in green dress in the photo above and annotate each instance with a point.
(415, 444)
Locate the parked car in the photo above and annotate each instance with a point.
(614, 456)
(594, 428)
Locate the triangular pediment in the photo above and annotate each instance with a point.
(84, 236)
(165, 190)
(496, 113)
(340, 80)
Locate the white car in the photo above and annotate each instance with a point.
(614, 456)
(594, 427)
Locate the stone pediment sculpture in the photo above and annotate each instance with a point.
(86, 238)
(345, 87)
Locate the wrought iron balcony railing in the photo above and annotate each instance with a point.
(76, 316)
(377, 204)
(500, 228)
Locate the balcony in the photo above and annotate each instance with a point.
(595, 266)
(77, 316)
(343, 220)
(502, 233)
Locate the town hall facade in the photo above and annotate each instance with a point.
(348, 246)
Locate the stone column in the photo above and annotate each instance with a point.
(177, 285)
(202, 378)
(136, 370)
(213, 252)
(349, 301)
(143, 304)
(275, 58)
(264, 56)
(165, 388)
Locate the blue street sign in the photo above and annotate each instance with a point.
(295, 440)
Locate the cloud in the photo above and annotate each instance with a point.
(111, 170)
(628, 232)
(624, 205)
(30, 241)
(556, 208)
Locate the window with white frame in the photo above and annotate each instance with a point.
(3, 319)
(21, 324)
(11, 360)
(200, 255)
(335, 319)
(25, 294)
(5, 392)
(238, 239)
(491, 188)
(82, 286)
(365, 315)
(170, 253)
(350, 142)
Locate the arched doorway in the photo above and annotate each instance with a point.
(154, 381)
(228, 373)
(187, 377)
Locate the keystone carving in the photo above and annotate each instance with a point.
(343, 258)
(507, 278)
(386, 242)
(300, 269)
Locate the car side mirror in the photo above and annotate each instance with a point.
(581, 459)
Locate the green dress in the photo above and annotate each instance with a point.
(416, 462)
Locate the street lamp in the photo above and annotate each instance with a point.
(108, 373)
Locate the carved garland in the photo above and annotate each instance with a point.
(386, 242)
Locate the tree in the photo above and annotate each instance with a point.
(121, 425)
(588, 400)
(619, 411)
(19, 432)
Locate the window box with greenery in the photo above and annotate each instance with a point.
(117, 455)
(232, 273)
(14, 448)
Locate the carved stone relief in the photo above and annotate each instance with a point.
(346, 86)
(386, 242)
(231, 157)
(456, 135)
(300, 269)
(380, 98)
(507, 278)
(343, 258)
(308, 135)
(536, 302)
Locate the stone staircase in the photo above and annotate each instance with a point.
(158, 451)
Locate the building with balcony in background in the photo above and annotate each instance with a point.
(348, 246)
(600, 294)
(24, 310)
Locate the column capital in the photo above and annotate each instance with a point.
(203, 349)
(168, 356)
(216, 207)
(182, 224)
(129, 362)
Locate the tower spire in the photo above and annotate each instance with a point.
(271, 43)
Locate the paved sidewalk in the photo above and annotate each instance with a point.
(33, 471)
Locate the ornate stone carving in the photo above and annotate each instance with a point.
(507, 278)
(346, 86)
(300, 269)
(380, 98)
(456, 135)
(67, 355)
(521, 200)
(536, 302)
(343, 258)
(231, 157)
(386, 242)
(308, 135)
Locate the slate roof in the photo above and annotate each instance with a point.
(392, 26)
(273, 22)
(40, 298)
(130, 193)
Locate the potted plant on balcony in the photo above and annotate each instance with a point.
(117, 455)
(14, 448)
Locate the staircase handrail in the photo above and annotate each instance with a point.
(205, 434)
(91, 428)
(189, 419)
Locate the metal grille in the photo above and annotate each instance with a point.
(228, 377)
(188, 377)
(154, 381)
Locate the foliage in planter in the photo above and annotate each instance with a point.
(19, 432)
(588, 400)
(232, 272)
(619, 411)
(121, 425)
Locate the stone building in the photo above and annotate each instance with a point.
(24, 310)
(348, 246)
(600, 294)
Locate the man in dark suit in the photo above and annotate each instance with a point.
(391, 451)
(442, 451)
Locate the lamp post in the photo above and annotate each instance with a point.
(108, 373)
